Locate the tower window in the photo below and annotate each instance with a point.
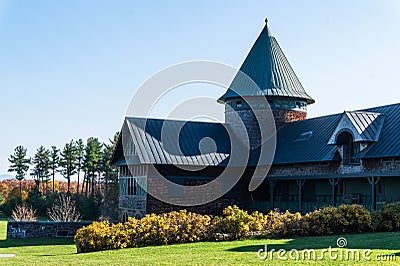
(239, 104)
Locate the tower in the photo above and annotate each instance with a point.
(277, 84)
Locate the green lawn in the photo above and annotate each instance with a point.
(63, 252)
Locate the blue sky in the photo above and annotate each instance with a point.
(69, 68)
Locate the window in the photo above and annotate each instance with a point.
(350, 148)
(239, 104)
(125, 217)
(380, 188)
(303, 136)
(131, 186)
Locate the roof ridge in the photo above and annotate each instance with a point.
(382, 106)
(172, 120)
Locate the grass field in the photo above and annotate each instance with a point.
(63, 252)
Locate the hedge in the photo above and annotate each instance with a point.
(185, 227)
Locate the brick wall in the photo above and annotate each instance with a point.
(287, 116)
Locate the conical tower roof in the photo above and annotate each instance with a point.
(268, 67)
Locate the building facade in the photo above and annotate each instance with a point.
(345, 158)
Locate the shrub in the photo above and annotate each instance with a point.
(389, 217)
(89, 207)
(92, 237)
(376, 219)
(357, 219)
(63, 210)
(278, 224)
(235, 223)
(344, 219)
(184, 227)
(168, 228)
(24, 213)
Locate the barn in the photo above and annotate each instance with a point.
(344, 158)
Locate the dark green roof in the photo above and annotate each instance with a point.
(307, 140)
(173, 142)
(268, 67)
(388, 144)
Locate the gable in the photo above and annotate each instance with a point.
(364, 126)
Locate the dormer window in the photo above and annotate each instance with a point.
(349, 147)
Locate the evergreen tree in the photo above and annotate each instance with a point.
(68, 162)
(110, 176)
(54, 163)
(19, 165)
(80, 153)
(92, 163)
(110, 180)
(41, 167)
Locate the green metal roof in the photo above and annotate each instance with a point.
(383, 134)
(388, 144)
(172, 142)
(304, 141)
(268, 67)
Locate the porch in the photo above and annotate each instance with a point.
(305, 195)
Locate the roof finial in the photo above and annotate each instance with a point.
(266, 20)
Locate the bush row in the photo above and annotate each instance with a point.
(184, 227)
(168, 228)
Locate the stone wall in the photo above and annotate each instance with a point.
(245, 124)
(237, 196)
(43, 229)
(304, 170)
(213, 208)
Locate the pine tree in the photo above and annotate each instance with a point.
(19, 165)
(110, 180)
(41, 167)
(54, 163)
(110, 176)
(68, 162)
(92, 162)
(80, 153)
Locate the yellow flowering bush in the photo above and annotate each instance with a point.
(184, 227)
(235, 223)
(168, 228)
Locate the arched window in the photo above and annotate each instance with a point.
(350, 148)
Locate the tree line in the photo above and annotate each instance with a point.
(89, 161)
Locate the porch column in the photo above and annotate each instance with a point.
(373, 182)
(334, 182)
(300, 184)
(271, 184)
